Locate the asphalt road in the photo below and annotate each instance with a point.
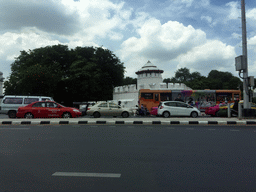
(127, 158)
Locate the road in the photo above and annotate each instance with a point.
(127, 158)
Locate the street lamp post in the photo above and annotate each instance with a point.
(245, 71)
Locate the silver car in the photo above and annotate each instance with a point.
(177, 108)
(108, 109)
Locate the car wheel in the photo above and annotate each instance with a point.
(96, 115)
(125, 114)
(66, 115)
(28, 116)
(166, 114)
(12, 114)
(194, 114)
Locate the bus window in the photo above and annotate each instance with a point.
(147, 95)
(165, 96)
(156, 97)
(224, 97)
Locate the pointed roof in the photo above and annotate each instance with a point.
(149, 68)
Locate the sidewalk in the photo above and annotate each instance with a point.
(133, 121)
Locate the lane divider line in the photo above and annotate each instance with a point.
(80, 174)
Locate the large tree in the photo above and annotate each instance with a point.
(80, 74)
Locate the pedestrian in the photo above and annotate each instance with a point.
(179, 98)
(235, 107)
(142, 108)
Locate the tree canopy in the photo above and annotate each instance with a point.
(80, 74)
(215, 80)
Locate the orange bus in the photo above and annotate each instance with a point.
(198, 98)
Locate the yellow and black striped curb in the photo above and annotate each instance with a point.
(111, 122)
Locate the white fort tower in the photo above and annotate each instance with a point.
(148, 77)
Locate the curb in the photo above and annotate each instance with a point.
(111, 122)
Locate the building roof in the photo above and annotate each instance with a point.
(149, 68)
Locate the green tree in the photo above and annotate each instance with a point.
(80, 74)
(129, 81)
(182, 75)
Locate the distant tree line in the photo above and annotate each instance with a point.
(67, 75)
(214, 80)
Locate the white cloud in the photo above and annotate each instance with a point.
(251, 14)
(163, 42)
(252, 43)
(172, 45)
(212, 55)
(206, 18)
(234, 11)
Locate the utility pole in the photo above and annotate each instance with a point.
(245, 71)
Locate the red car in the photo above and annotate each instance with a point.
(212, 110)
(44, 109)
(153, 111)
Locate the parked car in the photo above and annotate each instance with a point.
(11, 103)
(108, 109)
(154, 111)
(223, 111)
(47, 109)
(177, 108)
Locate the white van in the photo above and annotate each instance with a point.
(11, 103)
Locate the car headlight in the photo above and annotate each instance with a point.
(75, 110)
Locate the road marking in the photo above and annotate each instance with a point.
(79, 174)
(16, 128)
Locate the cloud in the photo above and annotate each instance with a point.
(206, 18)
(212, 55)
(234, 11)
(251, 14)
(172, 45)
(47, 15)
(162, 42)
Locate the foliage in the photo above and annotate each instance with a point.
(214, 80)
(80, 74)
(129, 81)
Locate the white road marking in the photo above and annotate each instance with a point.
(15, 128)
(80, 174)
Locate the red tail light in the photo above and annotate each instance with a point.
(88, 109)
(161, 107)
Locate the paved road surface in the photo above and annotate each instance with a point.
(127, 158)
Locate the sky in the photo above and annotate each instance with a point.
(201, 35)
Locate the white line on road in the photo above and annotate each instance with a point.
(15, 128)
(79, 174)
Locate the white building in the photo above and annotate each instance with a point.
(148, 77)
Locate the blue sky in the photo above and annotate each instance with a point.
(201, 35)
